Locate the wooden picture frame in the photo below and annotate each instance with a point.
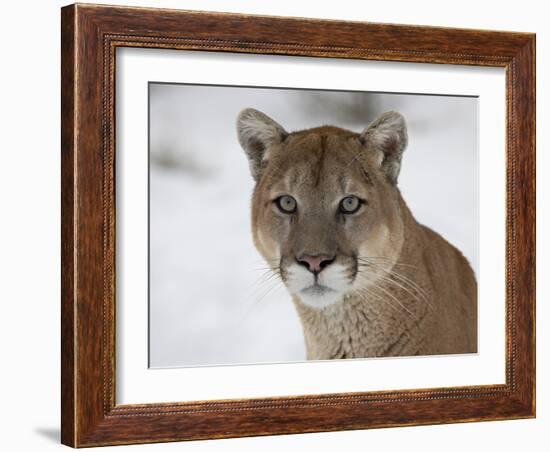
(90, 35)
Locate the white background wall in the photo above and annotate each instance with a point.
(29, 247)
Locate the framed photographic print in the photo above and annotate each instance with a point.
(281, 225)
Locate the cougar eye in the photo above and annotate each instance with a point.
(350, 204)
(286, 204)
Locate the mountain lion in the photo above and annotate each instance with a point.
(365, 277)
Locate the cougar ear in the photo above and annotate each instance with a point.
(387, 135)
(257, 133)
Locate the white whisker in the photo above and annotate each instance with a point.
(399, 276)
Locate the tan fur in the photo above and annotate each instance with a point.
(415, 294)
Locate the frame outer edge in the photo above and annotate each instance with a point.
(534, 226)
(526, 219)
(68, 216)
(86, 419)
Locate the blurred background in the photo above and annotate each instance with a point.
(210, 300)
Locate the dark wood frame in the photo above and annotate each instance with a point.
(90, 34)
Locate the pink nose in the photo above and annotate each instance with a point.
(315, 263)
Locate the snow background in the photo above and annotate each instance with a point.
(210, 302)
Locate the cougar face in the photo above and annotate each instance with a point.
(324, 199)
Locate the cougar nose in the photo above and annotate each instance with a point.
(315, 263)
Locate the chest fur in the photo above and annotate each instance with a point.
(360, 327)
